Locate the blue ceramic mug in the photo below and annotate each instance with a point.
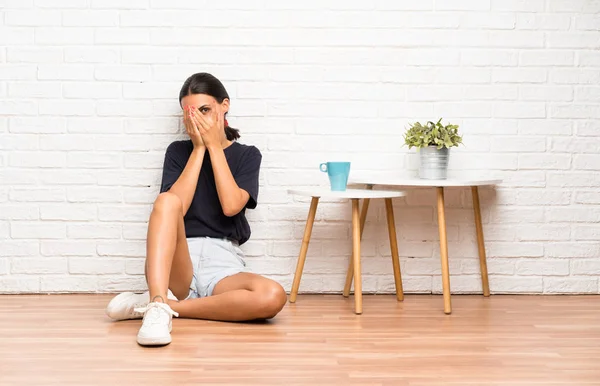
(338, 173)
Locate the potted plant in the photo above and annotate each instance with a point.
(434, 141)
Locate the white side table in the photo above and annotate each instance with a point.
(358, 223)
(439, 185)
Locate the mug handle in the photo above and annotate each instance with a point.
(323, 167)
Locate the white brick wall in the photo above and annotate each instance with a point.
(88, 104)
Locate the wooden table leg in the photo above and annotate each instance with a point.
(444, 250)
(350, 273)
(304, 249)
(356, 256)
(480, 243)
(389, 210)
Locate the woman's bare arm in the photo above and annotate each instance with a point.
(232, 198)
(185, 186)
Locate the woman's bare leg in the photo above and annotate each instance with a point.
(168, 263)
(236, 298)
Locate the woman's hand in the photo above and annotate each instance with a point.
(191, 128)
(211, 127)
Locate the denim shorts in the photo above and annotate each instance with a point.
(213, 260)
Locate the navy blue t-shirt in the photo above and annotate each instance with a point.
(205, 217)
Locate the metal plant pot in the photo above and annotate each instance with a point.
(433, 163)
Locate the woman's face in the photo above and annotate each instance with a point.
(205, 104)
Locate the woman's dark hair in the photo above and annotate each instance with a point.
(205, 83)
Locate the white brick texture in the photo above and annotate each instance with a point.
(88, 104)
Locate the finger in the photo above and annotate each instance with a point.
(192, 110)
(206, 119)
(212, 120)
(187, 122)
(220, 123)
(217, 116)
(203, 122)
(195, 117)
(184, 119)
(199, 126)
(186, 114)
(194, 114)
(194, 126)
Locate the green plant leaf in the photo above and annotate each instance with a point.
(432, 134)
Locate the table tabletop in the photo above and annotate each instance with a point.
(348, 193)
(404, 181)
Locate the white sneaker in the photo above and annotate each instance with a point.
(157, 325)
(122, 306)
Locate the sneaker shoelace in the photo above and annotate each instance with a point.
(155, 317)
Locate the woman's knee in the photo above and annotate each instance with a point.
(272, 300)
(168, 202)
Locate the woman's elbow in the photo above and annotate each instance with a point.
(231, 211)
(234, 207)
